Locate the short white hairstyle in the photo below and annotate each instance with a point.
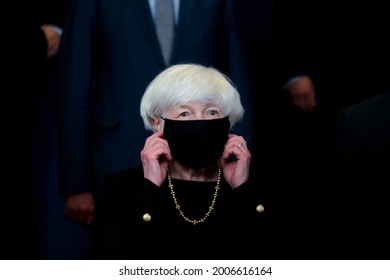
(182, 84)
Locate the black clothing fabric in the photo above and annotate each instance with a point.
(226, 234)
(362, 169)
(293, 225)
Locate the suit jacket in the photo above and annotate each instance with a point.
(110, 53)
(363, 164)
(365, 132)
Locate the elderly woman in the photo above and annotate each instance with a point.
(192, 196)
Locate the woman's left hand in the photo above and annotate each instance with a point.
(235, 161)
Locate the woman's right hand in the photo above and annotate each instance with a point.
(155, 157)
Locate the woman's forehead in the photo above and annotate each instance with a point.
(193, 105)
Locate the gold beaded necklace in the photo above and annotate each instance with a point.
(211, 207)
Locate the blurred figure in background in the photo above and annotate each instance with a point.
(362, 161)
(32, 45)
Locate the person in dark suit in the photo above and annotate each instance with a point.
(110, 52)
(32, 45)
(362, 156)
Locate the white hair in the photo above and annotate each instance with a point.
(190, 83)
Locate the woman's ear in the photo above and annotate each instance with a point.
(157, 123)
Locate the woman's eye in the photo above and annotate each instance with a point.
(184, 114)
(213, 112)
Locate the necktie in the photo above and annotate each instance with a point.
(165, 27)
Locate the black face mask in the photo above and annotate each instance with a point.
(197, 143)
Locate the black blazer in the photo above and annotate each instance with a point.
(230, 232)
(292, 225)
